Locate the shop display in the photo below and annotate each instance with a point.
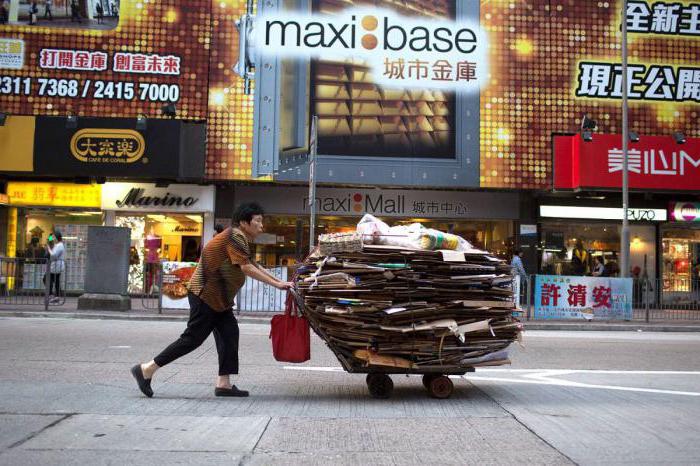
(678, 261)
(394, 309)
(176, 278)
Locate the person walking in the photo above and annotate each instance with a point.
(517, 264)
(75, 12)
(100, 12)
(47, 9)
(33, 12)
(57, 265)
(225, 263)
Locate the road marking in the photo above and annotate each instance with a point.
(120, 347)
(548, 377)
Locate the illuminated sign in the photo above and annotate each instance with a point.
(684, 211)
(401, 51)
(54, 194)
(107, 145)
(11, 54)
(602, 213)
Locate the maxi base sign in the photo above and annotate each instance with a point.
(589, 298)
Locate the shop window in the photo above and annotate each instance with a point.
(681, 260)
(156, 238)
(79, 14)
(559, 241)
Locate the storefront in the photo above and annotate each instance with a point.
(167, 223)
(598, 230)
(37, 209)
(680, 242)
(484, 219)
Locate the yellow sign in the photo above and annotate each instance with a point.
(17, 144)
(107, 145)
(54, 194)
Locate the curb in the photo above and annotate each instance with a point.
(613, 327)
(264, 318)
(115, 316)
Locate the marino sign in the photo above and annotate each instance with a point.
(401, 50)
(142, 197)
(136, 197)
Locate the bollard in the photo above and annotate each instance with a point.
(160, 288)
(646, 300)
(47, 284)
(528, 296)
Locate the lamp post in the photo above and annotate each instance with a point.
(625, 234)
(313, 152)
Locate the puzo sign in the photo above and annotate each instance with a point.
(401, 51)
(142, 197)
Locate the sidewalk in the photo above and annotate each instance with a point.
(69, 310)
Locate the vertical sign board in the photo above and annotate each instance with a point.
(589, 298)
(108, 260)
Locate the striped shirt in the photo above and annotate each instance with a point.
(218, 276)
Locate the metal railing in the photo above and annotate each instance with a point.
(652, 300)
(28, 281)
(254, 296)
(152, 294)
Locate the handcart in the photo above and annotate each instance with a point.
(408, 309)
(379, 383)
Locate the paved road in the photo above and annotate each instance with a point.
(570, 397)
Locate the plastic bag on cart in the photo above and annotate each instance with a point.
(291, 340)
(372, 229)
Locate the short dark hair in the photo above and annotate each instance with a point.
(246, 211)
(219, 228)
(518, 252)
(58, 235)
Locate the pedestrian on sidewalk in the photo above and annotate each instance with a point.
(56, 251)
(33, 12)
(223, 267)
(75, 11)
(47, 9)
(100, 12)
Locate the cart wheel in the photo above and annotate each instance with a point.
(379, 385)
(441, 387)
(427, 378)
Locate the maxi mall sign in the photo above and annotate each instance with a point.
(384, 202)
(407, 52)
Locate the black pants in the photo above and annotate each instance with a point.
(55, 282)
(204, 320)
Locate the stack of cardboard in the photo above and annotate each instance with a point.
(401, 309)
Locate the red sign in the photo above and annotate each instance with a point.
(655, 162)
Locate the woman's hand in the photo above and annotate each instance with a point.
(284, 285)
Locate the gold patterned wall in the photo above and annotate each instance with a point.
(145, 28)
(536, 48)
(535, 51)
(230, 111)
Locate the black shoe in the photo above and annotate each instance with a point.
(144, 383)
(233, 391)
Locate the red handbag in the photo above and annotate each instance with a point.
(291, 340)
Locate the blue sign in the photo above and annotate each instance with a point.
(589, 298)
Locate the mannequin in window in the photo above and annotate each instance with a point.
(152, 244)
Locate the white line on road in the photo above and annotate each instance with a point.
(546, 377)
